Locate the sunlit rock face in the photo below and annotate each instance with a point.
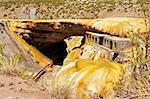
(88, 72)
(73, 42)
(97, 64)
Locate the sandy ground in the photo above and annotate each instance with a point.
(17, 88)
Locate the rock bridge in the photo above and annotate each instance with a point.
(109, 34)
(93, 59)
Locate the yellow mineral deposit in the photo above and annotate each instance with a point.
(87, 68)
(121, 26)
(89, 72)
(25, 47)
(86, 75)
(73, 41)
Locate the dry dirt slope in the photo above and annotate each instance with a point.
(16, 88)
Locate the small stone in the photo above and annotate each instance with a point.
(11, 84)
(2, 85)
(19, 83)
(12, 88)
(20, 89)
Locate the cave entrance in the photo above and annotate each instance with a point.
(48, 38)
(56, 52)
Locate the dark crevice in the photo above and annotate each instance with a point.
(101, 40)
(111, 44)
(115, 56)
(82, 43)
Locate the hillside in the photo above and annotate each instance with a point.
(67, 9)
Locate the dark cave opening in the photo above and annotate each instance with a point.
(56, 52)
(48, 38)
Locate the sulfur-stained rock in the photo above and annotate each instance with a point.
(97, 76)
